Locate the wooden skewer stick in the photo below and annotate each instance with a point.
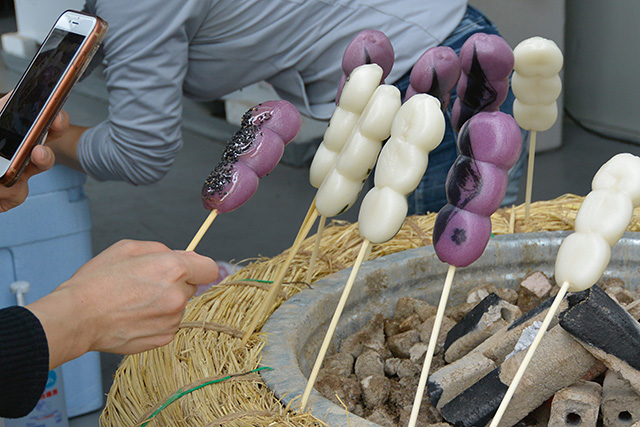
(203, 229)
(527, 358)
(365, 251)
(316, 248)
(433, 340)
(512, 220)
(309, 219)
(532, 155)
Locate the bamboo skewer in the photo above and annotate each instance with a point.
(316, 248)
(529, 189)
(433, 340)
(527, 358)
(309, 219)
(203, 229)
(365, 251)
(512, 220)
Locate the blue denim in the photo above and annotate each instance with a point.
(430, 195)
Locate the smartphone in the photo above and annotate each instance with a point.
(44, 87)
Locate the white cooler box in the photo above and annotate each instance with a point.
(44, 241)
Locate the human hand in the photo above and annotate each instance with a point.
(128, 299)
(42, 159)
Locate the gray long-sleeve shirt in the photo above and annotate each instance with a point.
(159, 50)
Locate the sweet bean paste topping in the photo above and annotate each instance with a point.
(240, 142)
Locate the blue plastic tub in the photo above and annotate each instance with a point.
(44, 241)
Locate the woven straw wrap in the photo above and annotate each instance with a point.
(207, 348)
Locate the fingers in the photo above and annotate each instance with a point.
(59, 126)
(13, 196)
(201, 269)
(4, 99)
(42, 159)
(178, 266)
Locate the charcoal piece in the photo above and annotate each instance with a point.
(544, 306)
(470, 321)
(486, 318)
(477, 405)
(452, 379)
(533, 290)
(597, 320)
(560, 360)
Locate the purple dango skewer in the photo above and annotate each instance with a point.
(486, 61)
(251, 153)
(435, 73)
(367, 47)
(488, 145)
(476, 185)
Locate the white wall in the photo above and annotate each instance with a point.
(35, 18)
(603, 63)
(520, 19)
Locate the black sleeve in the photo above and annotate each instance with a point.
(24, 361)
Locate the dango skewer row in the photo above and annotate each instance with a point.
(355, 94)
(536, 86)
(343, 184)
(417, 129)
(252, 152)
(340, 189)
(489, 145)
(435, 73)
(583, 256)
(359, 80)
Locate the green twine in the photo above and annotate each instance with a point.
(257, 280)
(177, 395)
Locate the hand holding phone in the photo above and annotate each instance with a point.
(43, 88)
(42, 159)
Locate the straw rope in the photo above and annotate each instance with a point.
(206, 345)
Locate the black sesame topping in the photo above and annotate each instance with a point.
(240, 142)
(217, 180)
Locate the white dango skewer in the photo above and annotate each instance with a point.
(357, 94)
(417, 129)
(536, 86)
(343, 183)
(583, 256)
(367, 47)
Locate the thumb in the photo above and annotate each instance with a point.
(42, 159)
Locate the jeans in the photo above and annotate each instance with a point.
(430, 195)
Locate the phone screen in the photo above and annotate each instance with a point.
(36, 87)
